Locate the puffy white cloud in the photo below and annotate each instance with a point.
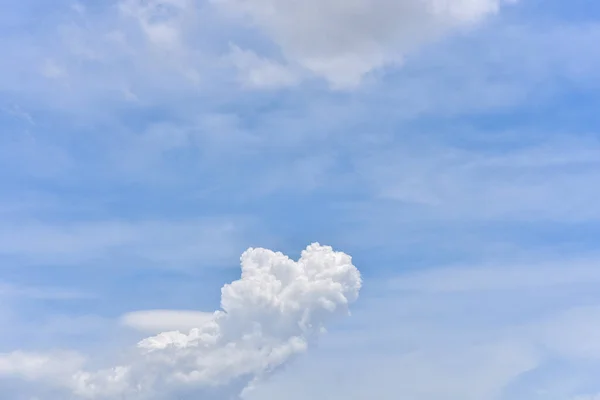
(266, 317)
(342, 40)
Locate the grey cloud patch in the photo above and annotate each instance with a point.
(342, 40)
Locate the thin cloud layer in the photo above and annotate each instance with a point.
(343, 40)
(156, 321)
(267, 317)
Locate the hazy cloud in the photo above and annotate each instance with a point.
(156, 321)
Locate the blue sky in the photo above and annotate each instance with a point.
(145, 145)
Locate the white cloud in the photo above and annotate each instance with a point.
(524, 182)
(343, 40)
(16, 111)
(156, 321)
(161, 21)
(529, 340)
(259, 72)
(268, 316)
(587, 397)
(503, 277)
(572, 333)
(466, 372)
(50, 69)
(40, 293)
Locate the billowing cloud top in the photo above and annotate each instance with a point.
(267, 317)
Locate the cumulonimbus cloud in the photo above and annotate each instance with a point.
(267, 317)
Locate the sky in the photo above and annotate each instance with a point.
(327, 199)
